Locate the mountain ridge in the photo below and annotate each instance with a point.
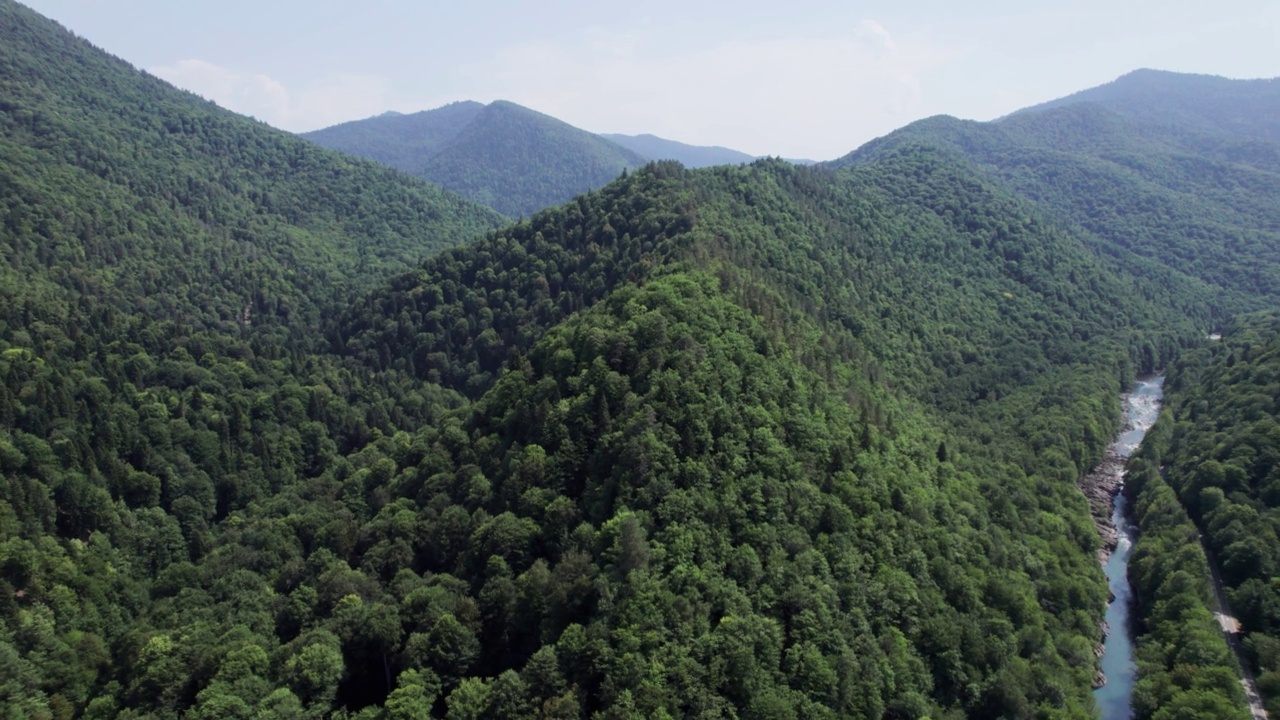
(429, 131)
(1121, 179)
(652, 147)
(1205, 103)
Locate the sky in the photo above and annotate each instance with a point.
(797, 78)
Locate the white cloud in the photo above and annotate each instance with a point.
(875, 31)
(327, 101)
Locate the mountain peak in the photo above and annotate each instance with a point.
(1207, 104)
(510, 157)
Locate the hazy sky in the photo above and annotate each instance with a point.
(799, 78)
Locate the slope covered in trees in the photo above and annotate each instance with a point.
(867, 277)
(1222, 459)
(753, 442)
(117, 188)
(1200, 204)
(1185, 667)
(508, 157)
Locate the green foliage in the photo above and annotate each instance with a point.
(122, 198)
(1221, 458)
(1194, 213)
(1185, 668)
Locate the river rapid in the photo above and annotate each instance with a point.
(1119, 672)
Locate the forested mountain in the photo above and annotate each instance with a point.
(1204, 104)
(403, 141)
(740, 442)
(652, 147)
(508, 157)
(1201, 205)
(1221, 455)
(117, 189)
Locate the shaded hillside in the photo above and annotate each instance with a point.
(652, 147)
(508, 157)
(1206, 104)
(402, 141)
(1165, 197)
(519, 161)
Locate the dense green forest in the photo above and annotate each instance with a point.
(502, 155)
(1196, 209)
(1185, 667)
(1221, 458)
(1185, 193)
(118, 191)
(742, 442)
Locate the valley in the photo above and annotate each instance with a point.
(503, 419)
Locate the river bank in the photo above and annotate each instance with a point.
(1100, 488)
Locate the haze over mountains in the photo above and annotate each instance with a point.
(652, 147)
(508, 157)
(285, 433)
(1195, 103)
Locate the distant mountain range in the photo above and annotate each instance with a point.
(513, 159)
(1154, 164)
(653, 147)
(1187, 103)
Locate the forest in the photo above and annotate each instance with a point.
(285, 433)
(1219, 447)
(1179, 205)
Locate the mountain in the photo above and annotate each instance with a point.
(1176, 176)
(1197, 103)
(655, 328)
(117, 188)
(762, 441)
(403, 141)
(1200, 205)
(508, 157)
(519, 161)
(652, 147)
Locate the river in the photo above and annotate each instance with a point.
(1141, 408)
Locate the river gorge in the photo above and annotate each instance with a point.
(1109, 505)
